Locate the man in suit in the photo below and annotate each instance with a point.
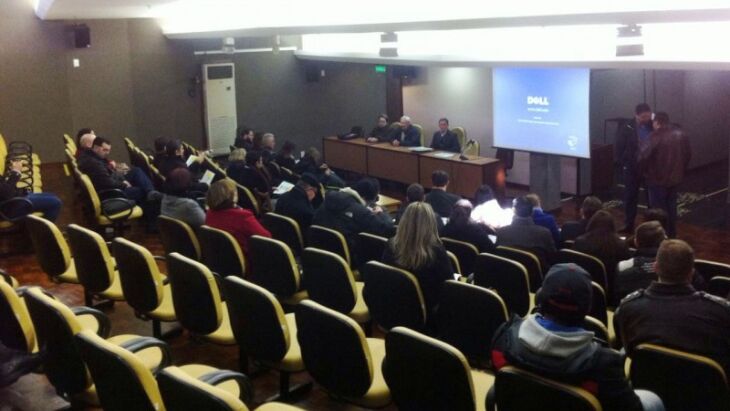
(524, 233)
(409, 136)
(440, 200)
(627, 155)
(445, 139)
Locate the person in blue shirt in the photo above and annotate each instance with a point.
(542, 218)
(409, 136)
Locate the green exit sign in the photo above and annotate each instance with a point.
(380, 69)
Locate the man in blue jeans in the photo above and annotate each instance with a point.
(47, 203)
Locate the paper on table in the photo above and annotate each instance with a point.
(207, 177)
(420, 149)
(443, 154)
(284, 187)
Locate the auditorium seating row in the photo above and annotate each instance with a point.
(15, 209)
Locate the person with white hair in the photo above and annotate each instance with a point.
(409, 136)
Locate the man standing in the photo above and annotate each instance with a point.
(409, 136)
(664, 160)
(627, 154)
(445, 139)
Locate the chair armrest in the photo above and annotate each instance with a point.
(15, 209)
(138, 344)
(129, 208)
(244, 383)
(101, 319)
(111, 193)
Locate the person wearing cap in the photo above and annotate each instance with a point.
(297, 202)
(553, 343)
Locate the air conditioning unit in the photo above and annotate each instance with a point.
(219, 86)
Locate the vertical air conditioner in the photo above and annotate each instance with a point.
(219, 87)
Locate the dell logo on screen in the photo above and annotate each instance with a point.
(541, 101)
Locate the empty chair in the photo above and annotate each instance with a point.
(264, 332)
(111, 212)
(711, 269)
(51, 250)
(285, 229)
(528, 259)
(221, 252)
(682, 380)
(393, 296)
(339, 357)
(197, 300)
(124, 383)
(145, 288)
(371, 246)
(95, 267)
(178, 237)
(509, 278)
(719, 286)
(427, 374)
(593, 265)
(17, 328)
(465, 252)
(330, 240)
(519, 390)
(330, 282)
(468, 316)
(274, 268)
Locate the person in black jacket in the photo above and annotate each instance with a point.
(445, 139)
(554, 344)
(381, 133)
(407, 136)
(573, 229)
(440, 200)
(47, 203)
(297, 203)
(173, 159)
(627, 154)
(312, 163)
(160, 145)
(244, 138)
(251, 174)
(285, 156)
(461, 227)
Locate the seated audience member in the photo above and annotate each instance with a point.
(312, 163)
(258, 139)
(524, 233)
(553, 343)
(244, 138)
(488, 211)
(224, 214)
(46, 203)
(572, 229)
(381, 133)
(417, 248)
(651, 214)
(160, 151)
(639, 271)
(369, 190)
(415, 193)
(85, 142)
(408, 136)
(177, 204)
(251, 174)
(81, 133)
(671, 313)
(542, 218)
(445, 139)
(174, 152)
(346, 212)
(268, 145)
(285, 156)
(438, 198)
(461, 227)
(297, 203)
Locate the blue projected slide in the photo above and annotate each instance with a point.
(542, 110)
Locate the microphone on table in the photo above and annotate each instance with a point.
(467, 145)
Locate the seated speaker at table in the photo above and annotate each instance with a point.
(445, 139)
(409, 136)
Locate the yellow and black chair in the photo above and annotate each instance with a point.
(460, 135)
(420, 132)
(528, 259)
(221, 252)
(123, 382)
(465, 252)
(95, 267)
(114, 211)
(56, 325)
(247, 200)
(416, 368)
(716, 275)
(51, 250)
(599, 308)
(467, 317)
(69, 143)
(178, 237)
(285, 229)
(330, 282)
(719, 286)
(274, 268)
(17, 328)
(393, 296)
(371, 247)
(683, 381)
(340, 358)
(509, 278)
(455, 265)
(264, 332)
(146, 290)
(197, 300)
(599, 329)
(329, 240)
(12, 281)
(519, 390)
(289, 175)
(593, 265)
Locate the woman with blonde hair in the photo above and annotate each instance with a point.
(417, 248)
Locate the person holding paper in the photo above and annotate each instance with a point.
(297, 203)
(252, 174)
(173, 159)
(444, 139)
(409, 136)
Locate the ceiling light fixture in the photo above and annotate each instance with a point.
(389, 44)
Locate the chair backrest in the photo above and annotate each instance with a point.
(460, 135)
(599, 304)
(51, 249)
(285, 229)
(122, 380)
(593, 265)
(94, 264)
(273, 266)
(719, 286)
(178, 237)
(420, 131)
(599, 329)
(465, 252)
(519, 390)
(328, 239)
(247, 200)
(371, 247)
(328, 280)
(257, 320)
(393, 296)
(527, 259)
(221, 252)
(711, 269)
(195, 294)
(473, 150)
(468, 316)
(90, 195)
(426, 374)
(682, 380)
(182, 392)
(455, 265)
(334, 350)
(509, 278)
(69, 142)
(55, 326)
(17, 328)
(142, 282)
